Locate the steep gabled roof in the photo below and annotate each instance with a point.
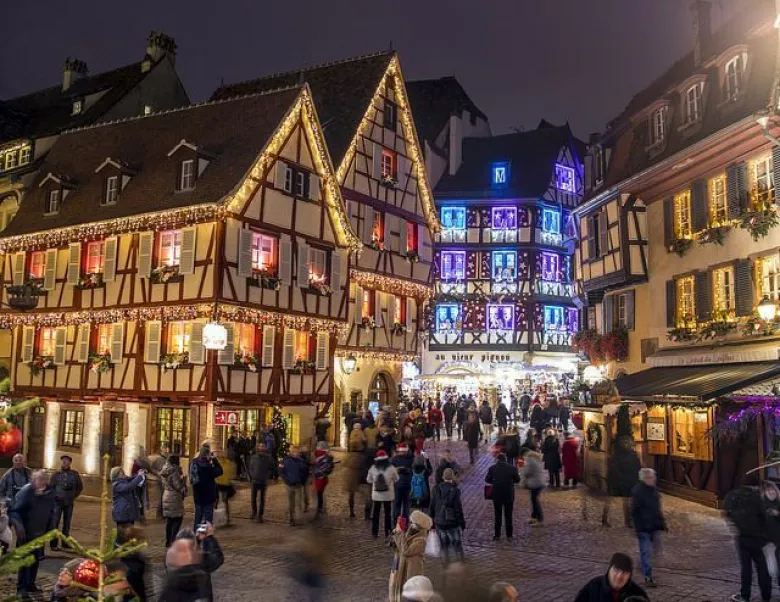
(531, 156)
(342, 92)
(434, 101)
(236, 131)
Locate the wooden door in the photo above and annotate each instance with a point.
(35, 441)
(116, 437)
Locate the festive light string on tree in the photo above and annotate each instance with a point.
(279, 424)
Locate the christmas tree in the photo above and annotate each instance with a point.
(279, 427)
(624, 428)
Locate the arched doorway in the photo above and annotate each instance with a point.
(381, 392)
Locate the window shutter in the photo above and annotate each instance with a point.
(630, 310)
(609, 314)
(668, 221)
(776, 167)
(403, 238)
(358, 315)
(117, 342)
(303, 264)
(391, 225)
(74, 263)
(702, 290)
(197, 350)
(368, 223)
(109, 260)
(288, 350)
(391, 317)
(411, 312)
(591, 238)
(376, 168)
(145, 248)
(269, 336)
(227, 356)
(188, 248)
(423, 244)
(603, 233)
(743, 287)
(314, 187)
(285, 259)
(336, 269)
(671, 303)
(28, 343)
(322, 351)
(403, 172)
(50, 271)
(379, 301)
(152, 342)
(699, 217)
(736, 188)
(280, 174)
(60, 343)
(245, 236)
(82, 345)
(17, 268)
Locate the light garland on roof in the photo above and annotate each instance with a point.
(233, 313)
(387, 284)
(383, 356)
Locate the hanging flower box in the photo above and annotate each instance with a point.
(368, 323)
(377, 245)
(90, 281)
(716, 329)
(172, 361)
(398, 329)
(759, 221)
(680, 246)
(755, 326)
(100, 362)
(41, 362)
(166, 273)
(412, 256)
(389, 181)
(25, 296)
(303, 367)
(247, 361)
(681, 334)
(320, 287)
(265, 279)
(715, 235)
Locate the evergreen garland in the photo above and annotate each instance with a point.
(279, 427)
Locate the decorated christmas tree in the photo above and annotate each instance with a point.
(279, 427)
(624, 428)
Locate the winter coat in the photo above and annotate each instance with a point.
(391, 478)
(472, 433)
(186, 584)
(12, 481)
(422, 466)
(745, 510)
(525, 402)
(486, 414)
(34, 512)
(260, 467)
(571, 459)
(357, 440)
(174, 491)
(387, 440)
(67, 486)
(124, 499)
(355, 464)
(371, 433)
(294, 471)
(646, 511)
(461, 414)
(537, 417)
(512, 446)
(502, 415)
(449, 410)
(564, 414)
(444, 465)
(532, 472)
(446, 507)
(435, 417)
(599, 590)
(403, 464)
(410, 553)
(503, 476)
(321, 456)
(551, 451)
(204, 492)
(622, 472)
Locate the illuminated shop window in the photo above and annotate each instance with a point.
(453, 218)
(448, 317)
(453, 265)
(500, 316)
(504, 266)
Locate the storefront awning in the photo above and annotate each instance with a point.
(694, 383)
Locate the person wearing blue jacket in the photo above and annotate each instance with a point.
(402, 460)
(124, 497)
(294, 474)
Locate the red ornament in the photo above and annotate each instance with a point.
(87, 574)
(10, 439)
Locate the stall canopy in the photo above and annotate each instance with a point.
(694, 383)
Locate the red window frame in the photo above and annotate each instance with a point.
(412, 237)
(175, 248)
(367, 303)
(389, 163)
(94, 266)
(36, 265)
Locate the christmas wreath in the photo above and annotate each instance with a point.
(595, 436)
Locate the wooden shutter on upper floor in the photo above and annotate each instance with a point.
(411, 312)
(743, 287)
(368, 223)
(603, 232)
(117, 342)
(17, 268)
(391, 227)
(391, 317)
(196, 349)
(357, 316)
(82, 343)
(629, 310)
(188, 250)
(227, 356)
(376, 161)
(50, 270)
(379, 302)
(74, 263)
(403, 172)
(314, 187)
(303, 263)
(671, 303)
(403, 236)
(703, 295)
(423, 243)
(152, 340)
(321, 360)
(736, 188)
(609, 313)
(110, 252)
(668, 221)
(245, 236)
(699, 210)
(591, 219)
(145, 250)
(285, 259)
(269, 344)
(280, 174)
(28, 343)
(60, 345)
(776, 169)
(288, 349)
(337, 269)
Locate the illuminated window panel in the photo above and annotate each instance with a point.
(554, 318)
(723, 292)
(768, 269)
(179, 337)
(95, 257)
(453, 265)
(170, 248)
(551, 267)
(564, 178)
(448, 317)
(264, 252)
(682, 215)
(686, 308)
(104, 339)
(719, 208)
(453, 218)
(47, 342)
(504, 218)
(551, 221)
(499, 174)
(72, 428)
(500, 316)
(504, 266)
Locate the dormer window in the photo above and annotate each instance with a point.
(24, 154)
(598, 166)
(190, 169)
(10, 160)
(53, 202)
(391, 112)
(734, 75)
(147, 109)
(111, 191)
(658, 126)
(187, 174)
(78, 107)
(693, 110)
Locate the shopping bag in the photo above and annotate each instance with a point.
(771, 559)
(220, 517)
(432, 545)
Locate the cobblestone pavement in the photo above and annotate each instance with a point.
(546, 564)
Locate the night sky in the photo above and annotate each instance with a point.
(519, 60)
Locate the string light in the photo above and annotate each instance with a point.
(388, 284)
(383, 356)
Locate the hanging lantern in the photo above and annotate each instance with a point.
(348, 364)
(766, 309)
(214, 336)
(10, 439)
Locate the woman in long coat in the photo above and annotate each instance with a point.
(551, 451)
(410, 552)
(355, 463)
(571, 460)
(174, 491)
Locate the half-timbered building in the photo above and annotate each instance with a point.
(372, 140)
(505, 291)
(139, 232)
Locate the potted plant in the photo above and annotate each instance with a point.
(376, 244)
(89, 281)
(318, 284)
(680, 246)
(715, 235)
(368, 323)
(759, 221)
(412, 256)
(303, 366)
(165, 273)
(265, 278)
(172, 361)
(398, 329)
(41, 362)
(247, 361)
(99, 362)
(389, 181)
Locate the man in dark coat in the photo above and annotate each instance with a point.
(204, 471)
(472, 433)
(622, 475)
(189, 571)
(31, 515)
(551, 452)
(525, 404)
(486, 418)
(460, 418)
(67, 486)
(446, 461)
(402, 460)
(648, 519)
(502, 418)
(260, 470)
(16, 478)
(503, 477)
(448, 410)
(294, 473)
(615, 586)
(447, 513)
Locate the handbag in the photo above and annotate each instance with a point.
(488, 491)
(220, 517)
(432, 545)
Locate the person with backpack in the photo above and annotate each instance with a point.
(486, 418)
(323, 466)
(447, 513)
(382, 477)
(402, 461)
(203, 473)
(420, 491)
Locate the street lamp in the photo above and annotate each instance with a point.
(767, 310)
(348, 364)
(214, 336)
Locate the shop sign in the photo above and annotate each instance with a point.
(225, 418)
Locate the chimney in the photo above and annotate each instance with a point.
(702, 30)
(456, 144)
(158, 46)
(73, 71)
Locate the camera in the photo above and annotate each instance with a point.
(202, 528)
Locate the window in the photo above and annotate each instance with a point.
(263, 252)
(72, 428)
(173, 431)
(53, 202)
(187, 175)
(300, 183)
(78, 106)
(551, 221)
(719, 208)
(37, 264)
(147, 109)
(658, 126)
(554, 318)
(504, 266)
(734, 72)
(318, 264)
(594, 237)
(693, 104)
(682, 215)
(47, 342)
(763, 180)
(448, 317)
(389, 163)
(412, 241)
(391, 114)
(367, 303)
(399, 309)
(598, 166)
(723, 291)
(769, 276)
(453, 218)
(551, 267)
(103, 339)
(301, 345)
(683, 430)
(500, 316)
(564, 178)
(500, 174)
(244, 338)
(170, 248)
(24, 155)
(686, 309)
(378, 230)
(112, 190)
(288, 179)
(10, 159)
(178, 337)
(504, 218)
(95, 257)
(453, 265)
(621, 311)
(591, 318)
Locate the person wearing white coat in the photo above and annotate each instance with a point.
(382, 476)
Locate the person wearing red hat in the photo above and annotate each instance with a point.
(382, 476)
